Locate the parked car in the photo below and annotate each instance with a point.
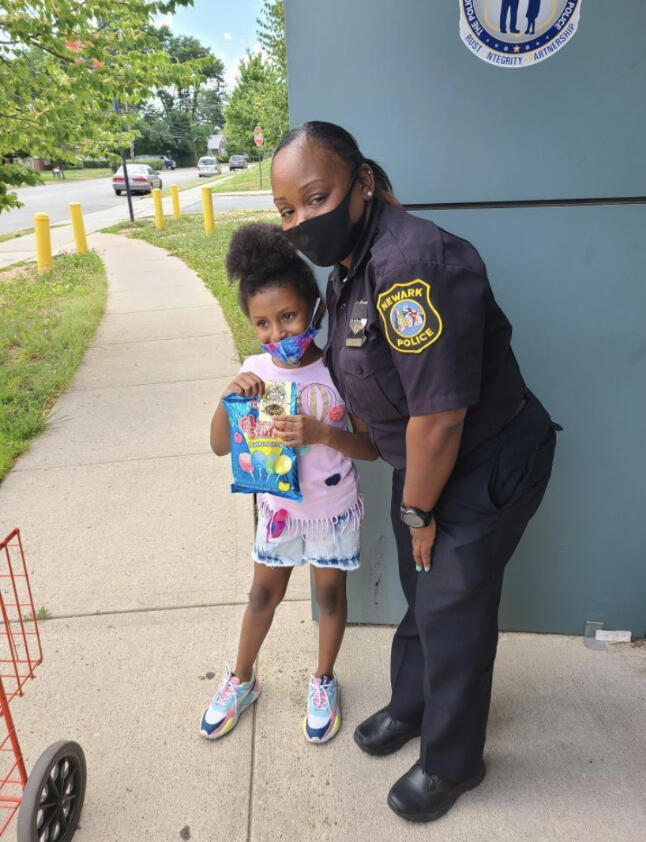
(208, 166)
(237, 162)
(142, 179)
(169, 163)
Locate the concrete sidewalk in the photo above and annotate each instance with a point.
(141, 555)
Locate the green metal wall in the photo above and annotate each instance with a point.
(452, 130)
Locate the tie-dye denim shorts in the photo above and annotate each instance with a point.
(335, 545)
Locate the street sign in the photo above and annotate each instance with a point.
(258, 136)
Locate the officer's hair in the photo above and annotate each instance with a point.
(259, 256)
(346, 147)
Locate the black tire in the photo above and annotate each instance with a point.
(49, 812)
(118, 192)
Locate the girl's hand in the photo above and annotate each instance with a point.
(246, 384)
(423, 539)
(300, 430)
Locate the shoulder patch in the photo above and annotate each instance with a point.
(411, 322)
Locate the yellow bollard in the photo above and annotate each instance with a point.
(159, 213)
(79, 229)
(207, 204)
(174, 195)
(43, 242)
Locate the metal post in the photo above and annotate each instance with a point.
(43, 242)
(76, 216)
(207, 204)
(260, 150)
(159, 211)
(174, 196)
(125, 175)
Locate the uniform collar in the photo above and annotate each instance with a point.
(340, 273)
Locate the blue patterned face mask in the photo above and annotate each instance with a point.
(290, 349)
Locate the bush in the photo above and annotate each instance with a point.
(92, 164)
(185, 159)
(155, 163)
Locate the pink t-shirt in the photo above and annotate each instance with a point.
(328, 479)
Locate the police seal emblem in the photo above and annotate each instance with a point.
(517, 33)
(411, 322)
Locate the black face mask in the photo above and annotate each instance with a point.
(327, 239)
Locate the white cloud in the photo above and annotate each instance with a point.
(164, 20)
(227, 36)
(231, 73)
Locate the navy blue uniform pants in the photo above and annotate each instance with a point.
(444, 649)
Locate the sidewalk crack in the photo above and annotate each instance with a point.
(156, 608)
(253, 764)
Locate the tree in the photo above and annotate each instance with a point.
(260, 94)
(179, 120)
(64, 67)
(271, 34)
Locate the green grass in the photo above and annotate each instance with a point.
(41, 615)
(47, 323)
(77, 175)
(23, 232)
(185, 238)
(248, 179)
(199, 182)
(11, 235)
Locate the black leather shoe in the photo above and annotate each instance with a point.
(380, 734)
(419, 797)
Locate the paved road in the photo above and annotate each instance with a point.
(62, 236)
(94, 195)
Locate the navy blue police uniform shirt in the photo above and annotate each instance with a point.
(414, 329)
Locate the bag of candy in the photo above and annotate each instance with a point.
(261, 463)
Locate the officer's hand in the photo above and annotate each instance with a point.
(299, 430)
(423, 539)
(246, 384)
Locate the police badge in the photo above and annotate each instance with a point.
(356, 338)
(494, 30)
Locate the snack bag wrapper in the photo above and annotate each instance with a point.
(261, 463)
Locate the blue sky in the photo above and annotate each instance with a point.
(227, 26)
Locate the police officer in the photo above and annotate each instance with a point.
(421, 352)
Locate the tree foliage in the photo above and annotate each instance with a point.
(64, 66)
(271, 34)
(260, 93)
(180, 119)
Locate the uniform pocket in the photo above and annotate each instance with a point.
(520, 466)
(372, 384)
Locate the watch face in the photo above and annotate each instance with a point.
(412, 519)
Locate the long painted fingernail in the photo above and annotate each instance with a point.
(428, 569)
(418, 568)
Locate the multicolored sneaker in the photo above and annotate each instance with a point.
(323, 718)
(230, 699)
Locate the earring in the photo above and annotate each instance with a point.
(369, 194)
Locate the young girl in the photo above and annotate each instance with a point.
(278, 293)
